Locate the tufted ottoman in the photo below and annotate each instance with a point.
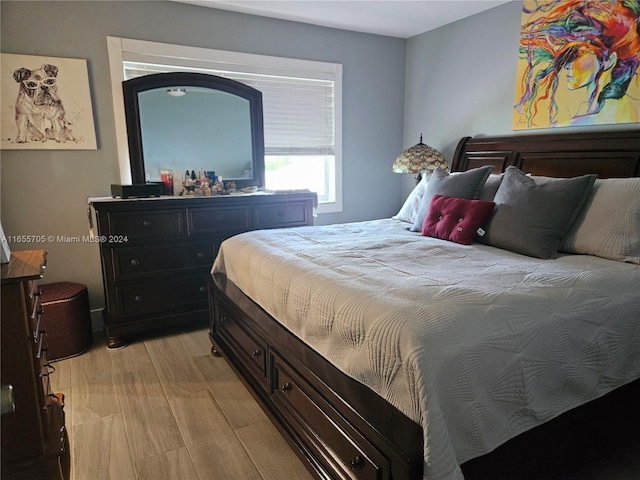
(66, 319)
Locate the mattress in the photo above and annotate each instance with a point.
(474, 343)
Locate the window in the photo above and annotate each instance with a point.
(301, 103)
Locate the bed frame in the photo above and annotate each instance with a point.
(343, 430)
(609, 154)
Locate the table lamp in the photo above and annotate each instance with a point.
(418, 159)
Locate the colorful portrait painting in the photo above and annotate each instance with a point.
(578, 63)
(46, 104)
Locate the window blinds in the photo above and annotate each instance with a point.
(298, 112)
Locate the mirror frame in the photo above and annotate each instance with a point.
(131, 88)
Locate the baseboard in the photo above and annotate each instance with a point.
(97, 322)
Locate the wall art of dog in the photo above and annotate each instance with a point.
(40, 114)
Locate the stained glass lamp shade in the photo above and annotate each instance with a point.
(418, 159)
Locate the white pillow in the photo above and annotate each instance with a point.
(409, 209)
(609, 224)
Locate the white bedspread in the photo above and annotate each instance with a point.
(474, 343)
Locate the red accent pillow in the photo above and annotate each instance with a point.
(455, 219)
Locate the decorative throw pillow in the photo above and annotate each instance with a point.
(455, 219)
(609, 224)
(409, 209)
(532, 218)
(459, 184)
(490, 187)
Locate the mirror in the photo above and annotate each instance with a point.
(193, 121)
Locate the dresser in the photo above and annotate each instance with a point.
(156, 253)
(34, 439)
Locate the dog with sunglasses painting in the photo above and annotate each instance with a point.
(39, 112)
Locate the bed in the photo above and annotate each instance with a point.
(380, 352)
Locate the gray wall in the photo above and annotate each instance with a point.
(461, 79)
(45, 192)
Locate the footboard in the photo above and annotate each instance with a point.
(339, 427)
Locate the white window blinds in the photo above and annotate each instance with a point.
(299, 110)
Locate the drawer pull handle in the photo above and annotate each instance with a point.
(138, 298)
(37, 329)
(357, 463)
(135, 262)
(200, 254)
(38, 337)
(223, 320)
(220, 217)
(37, 309)
(255, 353)
(280, 213)
(285, 388)
(203, 289)
(41, 348)
(146, 223)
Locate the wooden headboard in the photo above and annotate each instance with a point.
(608, 154)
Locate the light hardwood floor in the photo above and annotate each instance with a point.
(164, 408)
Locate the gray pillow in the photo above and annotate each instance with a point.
(609, 224)
(532, 218)
(490, 187)
(459, 185)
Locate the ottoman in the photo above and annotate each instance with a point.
(67, 319)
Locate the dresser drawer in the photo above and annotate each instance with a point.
(132, 261)
(280, 215)
(168, 295)
(146, 223)
(208, 220)
(249, 349)
(342, 447)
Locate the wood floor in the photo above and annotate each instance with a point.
(164, 408)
